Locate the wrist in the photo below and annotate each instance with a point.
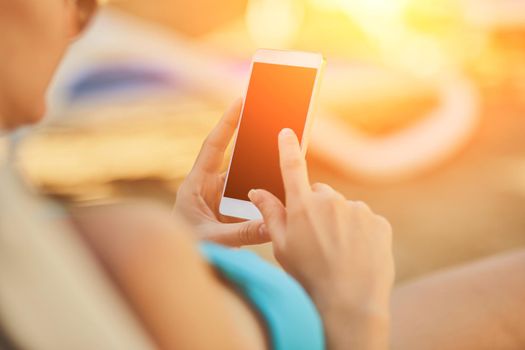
(367, 312)
(345, 297)
(360, 319)
(359, 326)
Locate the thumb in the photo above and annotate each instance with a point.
(272, 210)
(239, 234)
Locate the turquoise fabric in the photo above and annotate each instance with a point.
(291, 318)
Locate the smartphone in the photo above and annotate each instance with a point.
(281, 92)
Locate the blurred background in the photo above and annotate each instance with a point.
(421, 111)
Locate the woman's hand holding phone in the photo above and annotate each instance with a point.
(339, 250)
(199, 196)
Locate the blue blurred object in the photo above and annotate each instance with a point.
(120, 78)
(291, 317)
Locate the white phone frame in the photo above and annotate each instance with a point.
(245, 209)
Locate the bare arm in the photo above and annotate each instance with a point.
(178, 296)
(476, 306)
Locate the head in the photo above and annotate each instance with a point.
(34, 35)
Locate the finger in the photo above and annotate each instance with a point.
(360, 205)
(293, 165)
(273, 212)
(239, 234)
(327, 190)
(212, 151)
(320, 187)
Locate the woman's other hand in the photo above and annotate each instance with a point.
(199, 196)
(339, 250)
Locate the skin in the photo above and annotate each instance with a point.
(476, 306)
(35, 36)
(153, 257)
(199, 195)
(338, 250)
(154, 260)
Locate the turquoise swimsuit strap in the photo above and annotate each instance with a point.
(291, 318)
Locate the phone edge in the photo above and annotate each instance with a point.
(223, 206)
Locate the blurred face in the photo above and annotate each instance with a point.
(34, 34)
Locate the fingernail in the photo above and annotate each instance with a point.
(251, 193)
(286, 132)
(263, 232)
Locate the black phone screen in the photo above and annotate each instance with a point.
(278, 97)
